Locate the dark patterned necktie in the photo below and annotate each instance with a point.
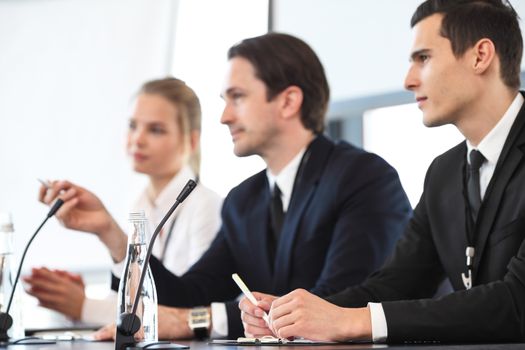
(277, 213)
(473, 187)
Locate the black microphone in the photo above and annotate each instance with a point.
(6, 321)
(129, 323)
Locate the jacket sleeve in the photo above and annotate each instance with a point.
(207, 281)
(372, 211)
(492, 312)
(412, 272)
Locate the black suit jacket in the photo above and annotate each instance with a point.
(434, 247)
(346, 212)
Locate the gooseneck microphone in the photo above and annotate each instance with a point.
(128, 322)
(6, 321)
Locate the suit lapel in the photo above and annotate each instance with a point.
(306, 182)
(511, 156)
(257, 224)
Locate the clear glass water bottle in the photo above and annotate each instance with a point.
(135, 256)
(7, 269)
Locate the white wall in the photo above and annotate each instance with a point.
(68, 69)
(201, 43)
(363, 44)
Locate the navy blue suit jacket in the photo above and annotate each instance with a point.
(346, 212)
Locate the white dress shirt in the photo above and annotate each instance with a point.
(285, 180)
(196, 222)
(491, 147)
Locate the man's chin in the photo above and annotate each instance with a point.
(242, 151)
(432, 122)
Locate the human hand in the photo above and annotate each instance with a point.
(58, 290)
(173, 324)
(252, 315)
(84, 211)
(302, 314)
(108, 332)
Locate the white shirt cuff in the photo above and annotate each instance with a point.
(379, 327)
(118, 268)
(100, 311)
(219, 320)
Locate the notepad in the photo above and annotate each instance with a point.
(270, 341)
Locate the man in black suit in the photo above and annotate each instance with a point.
(470, 223)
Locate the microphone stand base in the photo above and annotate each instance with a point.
(26, 341)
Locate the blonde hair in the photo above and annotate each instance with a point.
(188, 106)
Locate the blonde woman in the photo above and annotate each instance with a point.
(163, 143)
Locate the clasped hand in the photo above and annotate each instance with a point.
(302, 314)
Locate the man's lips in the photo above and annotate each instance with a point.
(235, 133)
(420, 100)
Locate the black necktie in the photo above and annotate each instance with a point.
(474, 192)
(276, 213)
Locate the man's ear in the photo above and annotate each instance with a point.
(484, 53)
(291, 101)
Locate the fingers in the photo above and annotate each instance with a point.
(282, 325)
(264, 301)
(285, 312)
(73, 277)
(57, 189)
(62, 213)
(57, 290)
(282, 306)
(42, 193)
(106, 333)
(252, 318)
(46, 299)
(47, 285)
(247, 307)
(256, 332)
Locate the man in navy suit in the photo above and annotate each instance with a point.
(343, 208)
(321, 216)
(470, 223)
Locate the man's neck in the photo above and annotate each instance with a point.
(485, 114)
(283, 153)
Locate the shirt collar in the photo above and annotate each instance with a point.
(286, 178)
(492, 144)
(167, 196)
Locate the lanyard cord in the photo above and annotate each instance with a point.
(470, 227)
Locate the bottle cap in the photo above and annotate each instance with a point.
(6, 222)
(137, 215)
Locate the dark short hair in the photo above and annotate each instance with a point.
(281, 60)
(187, 104)
(467, 21)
